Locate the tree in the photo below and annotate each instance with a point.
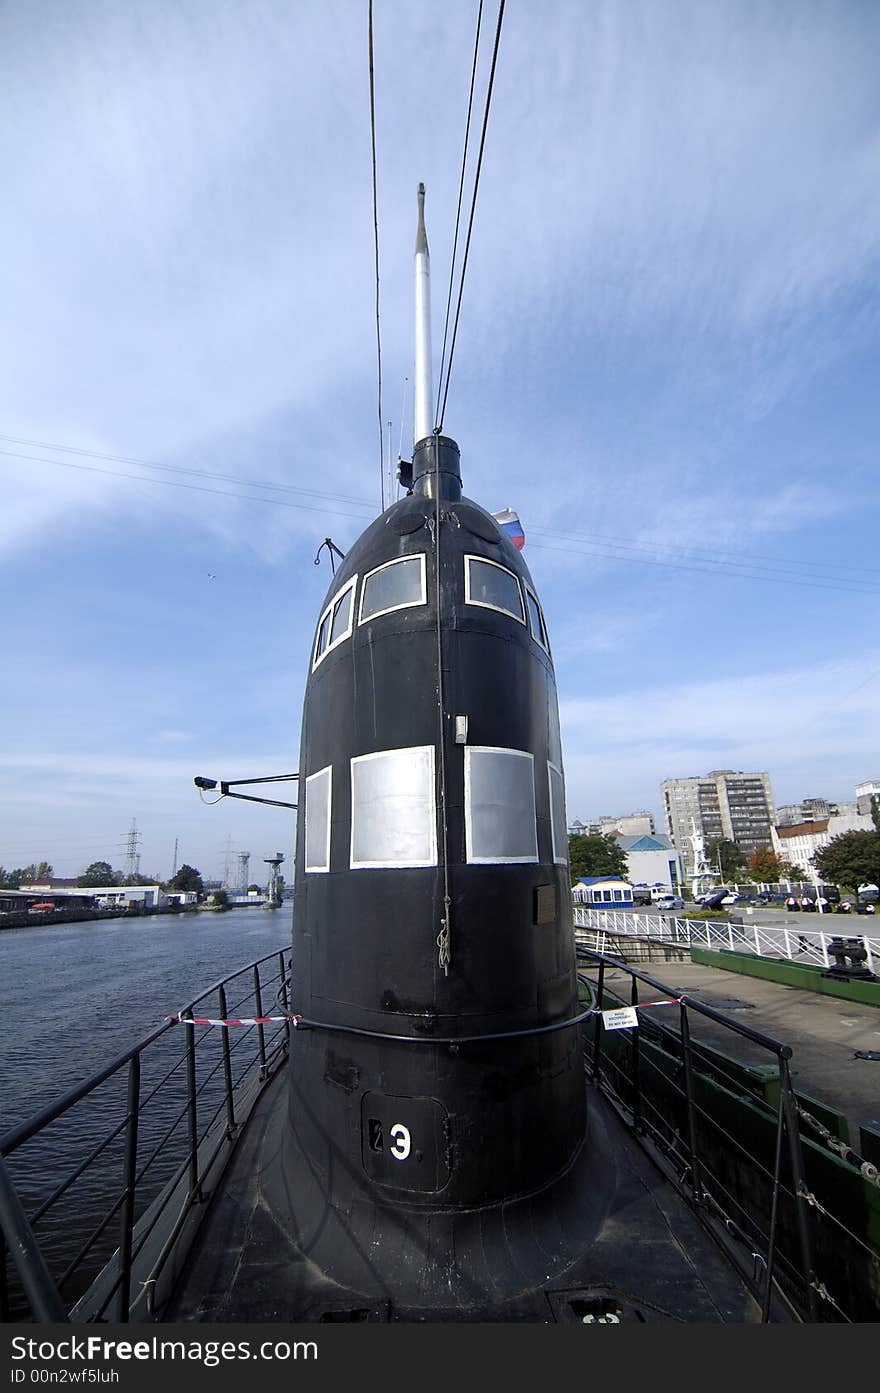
(765, 867)
(187, 878)
(99, 873)
(598, 855)
(851, 860)
(732, 859)
(11, 880)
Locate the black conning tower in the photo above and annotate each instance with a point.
(442, 1090)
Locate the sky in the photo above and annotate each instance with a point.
(667, 362)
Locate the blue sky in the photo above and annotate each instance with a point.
(667, 362)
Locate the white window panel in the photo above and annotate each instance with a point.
(558, 825)
(499, 805)
(536, 620)
(396, 585)
(491, 586)
(393, 811)
(318, 805)
(336, 622)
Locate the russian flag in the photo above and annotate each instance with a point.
(509, 522)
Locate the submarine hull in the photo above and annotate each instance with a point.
(436, 1071)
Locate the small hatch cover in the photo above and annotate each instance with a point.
(476, 522)
(409, 518)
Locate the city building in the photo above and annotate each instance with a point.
(865, 792)
(725, 803)
(635, 824)
(811, 810)
(652, 860)
(799, 843)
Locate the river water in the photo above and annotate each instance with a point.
(74, 995)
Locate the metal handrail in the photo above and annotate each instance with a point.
(696, 1119)
(45, 1294)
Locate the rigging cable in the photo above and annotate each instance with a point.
(467, 245)
(376, 246)
(467, 131)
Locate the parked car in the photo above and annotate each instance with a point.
(670, 902)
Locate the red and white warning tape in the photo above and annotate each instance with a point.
(231, 1021)
(180, 1019)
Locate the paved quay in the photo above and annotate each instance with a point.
(823, 1032)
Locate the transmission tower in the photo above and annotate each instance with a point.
(243, 859)
(227, 864)
(132, 853)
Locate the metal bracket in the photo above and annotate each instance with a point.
(225, 785)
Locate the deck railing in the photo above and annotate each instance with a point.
(738, 1139)
(153, 1123)
(799, 945)
(103, 1238)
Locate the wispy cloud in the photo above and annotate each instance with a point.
(820, 719)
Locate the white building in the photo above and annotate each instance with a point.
(865, 792)
(799, 844)
(652, 860)
(150, 896)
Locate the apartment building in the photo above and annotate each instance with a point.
(723, 803)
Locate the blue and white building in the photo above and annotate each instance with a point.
(652, 860)
(603, 892)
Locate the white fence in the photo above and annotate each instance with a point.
(800, 945)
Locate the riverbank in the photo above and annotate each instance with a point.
(23, 919)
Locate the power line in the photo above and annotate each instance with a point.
(726, 570)
(467, 245)
(196, 488)
(752, 567)
(170, 469)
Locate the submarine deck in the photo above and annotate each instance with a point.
(649, 1258)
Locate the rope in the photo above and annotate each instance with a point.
(305, 1023)
(866, 1169)
(444, 950)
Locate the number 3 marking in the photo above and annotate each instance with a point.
(400, 1149)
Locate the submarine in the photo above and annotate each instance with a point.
(433, 933)
(423, 1143)
(434, 1158)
